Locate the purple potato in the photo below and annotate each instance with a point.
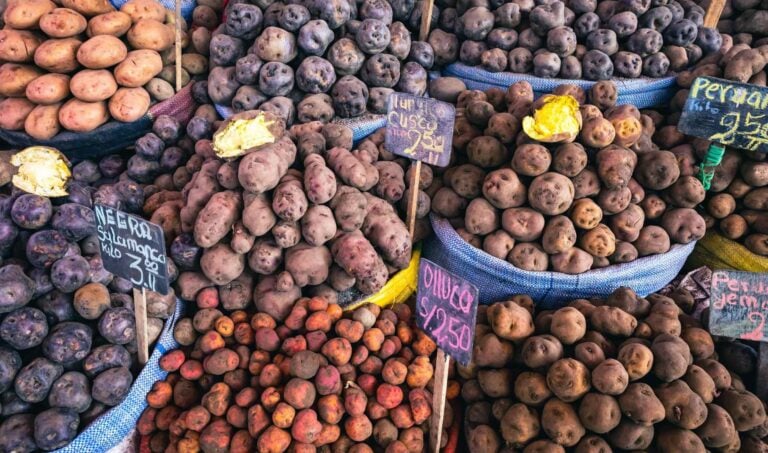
(628, 64)
(476, 23)
(225, 50)
(604, 40)
(276, 44)
(681, 33)
(402, 9)
(470, 52)
(644, 42)
(167, 128)
(314, 37)
(55, 428)
(13, 405)
(381, 70)
(413, 79)
(17, 433)
(315, 107)
(377, 99)
(506, 38)
(570, 68)
(657, 18)
(334, 12)
(399, 41)
(243, 21)
(276, 79)
(42, 281)
(292, 17)
(81, 194)
(350, 96)
(74, 221)
(185, 252)
(31, 211)
(118, 326)
(141, 170)
(97, 272)
(200, 92)
(45, 247)
(346, 57)
(376, 9)
(120, 285)
(281, 106)
(546, 64)
(10, 364)
(373, 36)
(111, 166)
(315, 75)
(247, 69)
(562, 41)
(8, 233)
(709, 39)
(33, 382)
(530, 40)
(445, 46)
(520, 60)
(678, 13)
(586, 24)
(596, 65)
(24, 328)
(111, 386)
(150, 146)
(546, 17)
(507, 15)
(623, 24)
(57, 307)
(122, 300)
(173, 157)
(86, 171)
(72, 390)
(90, 245)
(68, 342)
(656, 65)
(222, 85)
(105, 357)
(422, 53)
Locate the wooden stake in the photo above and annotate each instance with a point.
(413, 202)
(714, 11)
(439, 400)
(140, 312)
(761, 380)
(178, 45)
(426, 18)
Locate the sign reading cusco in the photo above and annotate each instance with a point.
(738, 304)
(420, 128)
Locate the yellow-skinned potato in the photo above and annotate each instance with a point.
(78, 116)
(89, 8)
(23, 14)
(14, 78)
(13, 113)
(144, 9)
(102, 52)
(48, 89)
(43, 122)
(115, 23)
(63, 23)
(58, 55)
(93, 85)
(129, 104)
(138, 68)
(151, 34)
(18, 46)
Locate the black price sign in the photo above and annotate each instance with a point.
(729, 113)
(420, 128)
(738, 303)
(446, 309)
(132, 248)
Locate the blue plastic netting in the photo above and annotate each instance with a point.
(187, 6)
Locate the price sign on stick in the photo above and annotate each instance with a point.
(134, 249)
(446, 310)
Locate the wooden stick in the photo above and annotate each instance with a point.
(438, 400)
(426, 18)
(413, 202)
(714, 11)
(140, 312)
(761, 381)
(178, 45)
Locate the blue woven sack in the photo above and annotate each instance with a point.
(187, 6)
(113, 426)
(498, 280)
(642, 93)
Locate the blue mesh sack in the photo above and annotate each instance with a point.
(642, 93)
(187, 6)
(116, 424)
(498, 280)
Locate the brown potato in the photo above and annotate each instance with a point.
(721, 205)
(523, 224)
(503, 189)
(531, 160)
(14, 112)
(531, 388)
(144, 9)
(640, 404)
(63, 23)
(718, 430)
(652, 240)
(599, 241)
(551, 193)
(626, 225)
(746, 409)
(510, 321)
(586, 214)
(43, 122)
(138, 68)
(683, 225)
(599, 413)
(586, 184)
(589, 354)
(58, 55)
(78, 116)
(597, 133)
(637, 359)
(572, 261)
(569, 159)
(568, 379)
(93, 85)
(102, 52)
(610, 377)
(559, 235)
(14, 78)
(18, 46)
(657, 170)
(561, 423)
(151, 34)
(631, 436)
(115, 23)
(520, 425)
(671, 357)
(89, 8)
(568, 325)
(48, 89)
(683, 407)
(615, 165)
(528, 256)
(24, 14)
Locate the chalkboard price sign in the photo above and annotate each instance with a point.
(132, 248)
(420, 128)
(446, 309)
(738, 305)
(729, 113)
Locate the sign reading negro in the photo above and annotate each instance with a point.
(729, 113)
(446, 308)
(420, 128)
(738, 303)
(132, 248)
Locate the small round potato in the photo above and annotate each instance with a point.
(93, 85)
(101, 52)
(78, 116)
(129, 104)
(43, 122)
(115, 24)
(138, 68)
(551, 193)
(48, 89)
(63, 23)
(144, 9)
(18, 46)
(151, 34)
(58, 55)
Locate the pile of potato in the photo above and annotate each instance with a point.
(302, 214)
(350, 381)
(611, 196)
(624, 373)
(78, 65)
(575, 39)
(314, 60)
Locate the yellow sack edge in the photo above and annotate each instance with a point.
(398, 289)
(718, 252)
